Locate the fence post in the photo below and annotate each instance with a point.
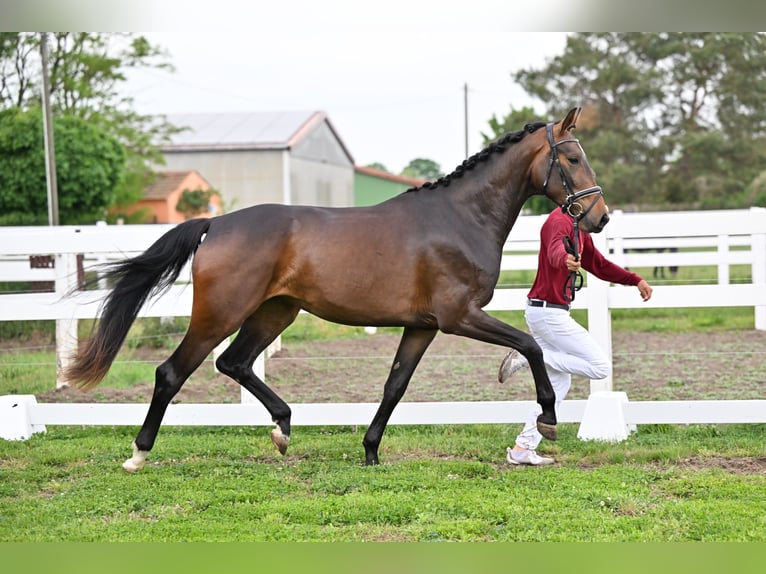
(616, 244)
(599, 315)
(101, 258)
(66, 329)
(604, 418)
(758, 247)
(15, 421)
(723, 260)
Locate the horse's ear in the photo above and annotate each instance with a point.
(568, 123)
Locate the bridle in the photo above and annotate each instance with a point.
(572, 198)
(574, 283)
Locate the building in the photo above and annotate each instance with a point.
(372, 185)
(161, 197)
(265, 157)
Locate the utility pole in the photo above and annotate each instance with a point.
(465, 116)
(65, 263)
(50, 153)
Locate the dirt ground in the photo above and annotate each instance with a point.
(647, 366)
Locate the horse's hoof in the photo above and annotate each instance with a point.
(137, 461)
(547, 430)
(280, 440)
(132, 465)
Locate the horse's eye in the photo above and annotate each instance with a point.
(573, 160)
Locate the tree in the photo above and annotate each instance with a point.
(755, 193)
(715, 113)
(86, 72)
(423, 168)
(602, 73)
(16, 77)
(512, 122)
(377, 165)
(89, 164)
(193, 202)
(669, 117)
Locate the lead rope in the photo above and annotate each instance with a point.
(575, 280)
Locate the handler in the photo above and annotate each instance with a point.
(568, 348)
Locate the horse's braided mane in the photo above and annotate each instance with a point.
(484, 155)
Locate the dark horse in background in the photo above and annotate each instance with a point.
(658, 272)
(427, 260)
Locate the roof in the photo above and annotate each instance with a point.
(166, 183)
(373, 172)
(245, 130)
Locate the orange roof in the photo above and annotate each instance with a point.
(166, 183)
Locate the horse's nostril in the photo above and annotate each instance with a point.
(604, 219)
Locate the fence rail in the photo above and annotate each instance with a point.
(711, 238)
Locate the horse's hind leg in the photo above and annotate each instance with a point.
(256, 333)
(413, 344)
(478, 325)
(169, 378)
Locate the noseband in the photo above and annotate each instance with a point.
(572, 198)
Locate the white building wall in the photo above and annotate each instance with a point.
(244, 177)
(323, 184)
(317, 169)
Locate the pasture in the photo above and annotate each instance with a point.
(440, 483)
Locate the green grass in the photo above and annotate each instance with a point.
(26, 373)
(436, 483)
(661, 320)
(682, 320)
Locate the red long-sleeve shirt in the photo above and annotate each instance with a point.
(552, 272)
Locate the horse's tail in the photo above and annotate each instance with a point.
(137, 279)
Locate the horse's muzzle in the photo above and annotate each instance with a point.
(601, 223)
(598, 226)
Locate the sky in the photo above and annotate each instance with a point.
(391, 80)
(390, 75)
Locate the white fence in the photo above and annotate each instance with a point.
(710, 238)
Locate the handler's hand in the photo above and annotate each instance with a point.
(645, 289)
(573, 265)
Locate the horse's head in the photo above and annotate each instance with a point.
(562, 172)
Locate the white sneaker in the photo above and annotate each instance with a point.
(528, 456)
(512, 363)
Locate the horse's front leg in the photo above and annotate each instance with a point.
(413, 344)
(482, 327)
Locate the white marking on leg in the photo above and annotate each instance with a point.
(137, 461)
(280, 440)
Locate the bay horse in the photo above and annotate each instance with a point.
(426, 260)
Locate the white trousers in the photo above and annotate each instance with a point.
(568, 349)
